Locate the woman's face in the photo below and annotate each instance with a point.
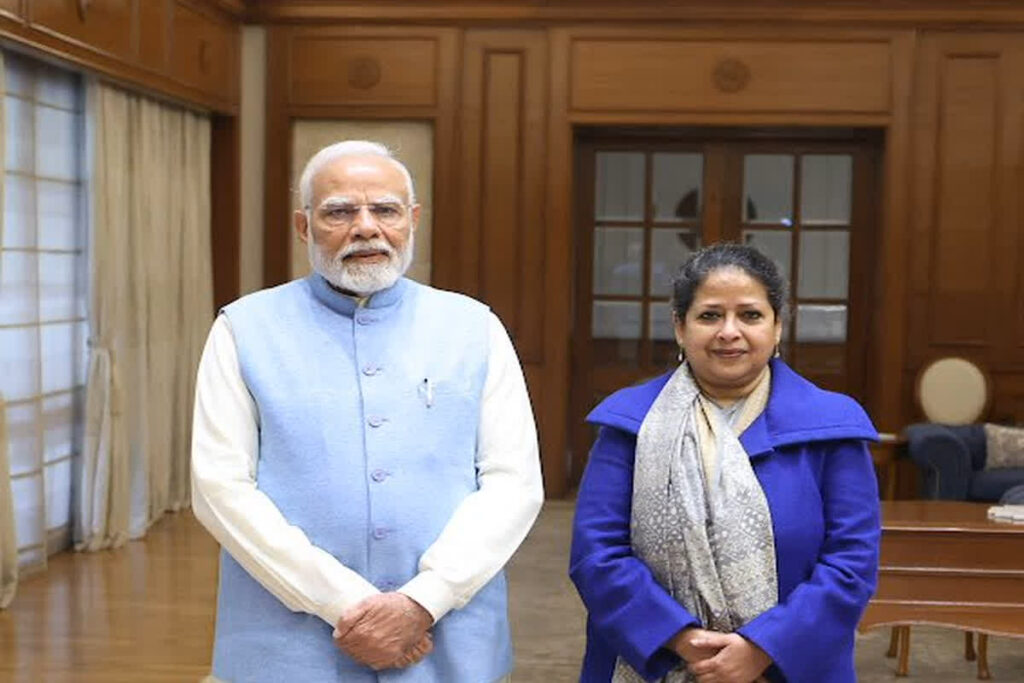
(729, 333)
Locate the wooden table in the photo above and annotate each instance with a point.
(945, 563)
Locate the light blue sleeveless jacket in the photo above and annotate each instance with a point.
(368, 426)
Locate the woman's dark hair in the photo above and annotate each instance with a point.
(695, 271)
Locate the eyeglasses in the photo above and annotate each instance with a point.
(385, 214)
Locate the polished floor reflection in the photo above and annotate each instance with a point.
(144, 614)
(138, 614)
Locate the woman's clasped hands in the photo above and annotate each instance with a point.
(715, 657)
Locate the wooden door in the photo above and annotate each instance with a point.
(646, 202)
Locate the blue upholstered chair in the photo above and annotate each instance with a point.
(951, 459)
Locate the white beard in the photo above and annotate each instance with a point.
(361, 278)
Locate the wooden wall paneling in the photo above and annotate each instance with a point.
(503, 138)
(736, 118)
(922, 173)
(205, 51)
(501, 222)
(530, 323)
(128, 43)
(1008, 398)
(963, 199)
(967, 174)
(277, 228)
(966, 283)
(12, 8)
(1011, 199)
(106, 26)
(445, 226)
(886, 346)
(552, 408)
(154, 33)
(225, 228)
(836, 12)
(372, 71)
(867, 218)
(372, 67)
(236, 9)
(672, 73)
(1005, 352)
(471, 148)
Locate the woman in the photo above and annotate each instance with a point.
(727, 523)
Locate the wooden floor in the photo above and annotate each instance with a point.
(144, 614)
(140, 614)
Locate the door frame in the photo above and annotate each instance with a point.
(720, 220)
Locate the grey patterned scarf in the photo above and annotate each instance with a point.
(707, 539)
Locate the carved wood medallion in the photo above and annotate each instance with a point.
(363, 73)
(731, 75)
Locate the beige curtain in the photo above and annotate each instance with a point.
(152, 303)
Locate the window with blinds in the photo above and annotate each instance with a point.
(43, 298)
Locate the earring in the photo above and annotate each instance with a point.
(679, 356)
(778, 352)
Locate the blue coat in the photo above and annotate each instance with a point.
(808, 452)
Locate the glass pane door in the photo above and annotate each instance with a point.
(646, 221)
(796, 208)
(641, 217)
(644, 206)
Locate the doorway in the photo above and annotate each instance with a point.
(647, 199)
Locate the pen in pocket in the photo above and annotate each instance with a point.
(428, 392)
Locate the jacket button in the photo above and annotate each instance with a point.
(380, 533)
(371, 370)
(379, 475)
(376, 421)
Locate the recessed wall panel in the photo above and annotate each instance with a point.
(338, 70)
(680, 75)
(964, 201)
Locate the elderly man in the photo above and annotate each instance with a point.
(365, 452)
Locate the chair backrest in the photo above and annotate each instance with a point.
(953, 391)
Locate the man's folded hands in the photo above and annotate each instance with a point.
(385, 631)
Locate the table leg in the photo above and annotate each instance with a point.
(969, 653)
(904, 661)
(894, 642)
(983, 672)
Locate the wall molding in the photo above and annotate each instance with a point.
(997, 13)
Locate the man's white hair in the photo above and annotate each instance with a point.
(347, 148)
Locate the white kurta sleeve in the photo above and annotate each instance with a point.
(490, 523)
(225, 437)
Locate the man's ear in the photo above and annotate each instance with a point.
(414, 218)
(301, 223)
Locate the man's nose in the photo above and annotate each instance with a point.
(365, 225)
